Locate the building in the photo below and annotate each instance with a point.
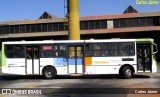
(129, 24)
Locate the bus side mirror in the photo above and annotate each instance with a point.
(155, 48)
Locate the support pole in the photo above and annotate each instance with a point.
(74, 24)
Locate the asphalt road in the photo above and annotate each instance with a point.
(86, 86)
(95, 86)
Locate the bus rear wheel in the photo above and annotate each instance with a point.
(49, 73)
(126, 72)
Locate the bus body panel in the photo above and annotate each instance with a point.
(29, 67)
(36, 66)
(15, 66)
(77, 65)
(106, 65)
(59, 63)
(154, 67)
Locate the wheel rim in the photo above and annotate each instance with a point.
(128, 72)
(48, 73)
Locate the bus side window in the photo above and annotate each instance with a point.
(88, 53)
(105, 50)
(47, 51)
(59, 51)
(88, 49)
(14, 51)
(56, 54)
(29, 53)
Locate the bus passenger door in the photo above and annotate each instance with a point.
(144, 60)
(75, 59)
(32, 60)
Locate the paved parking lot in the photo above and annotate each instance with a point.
(96, 86)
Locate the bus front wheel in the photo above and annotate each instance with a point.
(126, 72)
(49, 73)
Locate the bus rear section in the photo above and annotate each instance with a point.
(110, 57)
(13, 59)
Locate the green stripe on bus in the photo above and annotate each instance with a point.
(3, 56)
(145, 39)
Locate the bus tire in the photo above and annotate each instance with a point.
(49, 73)
(126, 72)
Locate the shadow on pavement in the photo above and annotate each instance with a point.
(141, 76)
(16, 77)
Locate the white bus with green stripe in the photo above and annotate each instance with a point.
(79, 57)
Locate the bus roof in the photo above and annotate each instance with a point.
(78, 41)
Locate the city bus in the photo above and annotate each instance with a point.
(50, 58)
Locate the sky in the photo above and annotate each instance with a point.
(11, 10)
